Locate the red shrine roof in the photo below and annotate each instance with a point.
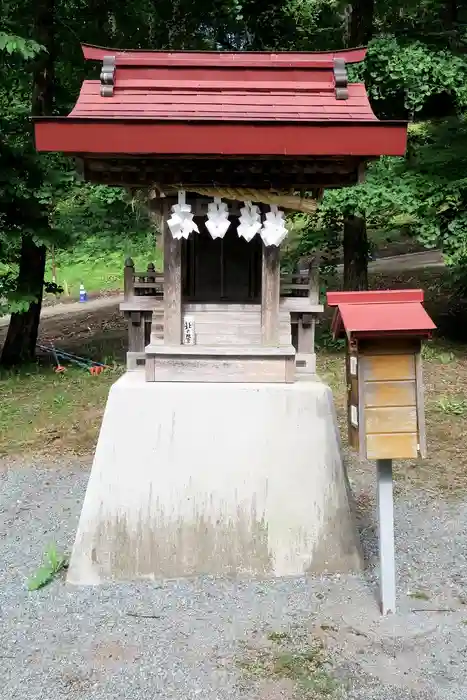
(382, 313)
(213, 103)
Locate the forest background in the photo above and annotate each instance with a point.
(415, 70)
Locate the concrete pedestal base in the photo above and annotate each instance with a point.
(215, 479)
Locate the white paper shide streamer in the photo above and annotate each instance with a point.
(218, 218)
(181, 222)
(249, 221)
(274, 230)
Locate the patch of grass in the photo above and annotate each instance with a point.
(306, 667)
(433, 352)
(307, 671)
(419, 595)
(452, 406)
(53, 564)
(279, 637)
(98, 268)
(46, 412)
(331, 369)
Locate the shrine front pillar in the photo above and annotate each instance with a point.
(270, 296)
(172, 286)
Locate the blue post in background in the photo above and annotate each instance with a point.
(83, 295)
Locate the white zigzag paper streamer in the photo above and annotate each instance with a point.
(218, 218)
(274, 230)
(181, 222)
(250, 221)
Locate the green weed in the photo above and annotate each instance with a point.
(53, 564)
(279, 637)
(433, 353)
(305, 667)
(325, 341)
(452, 406)
(419, 595)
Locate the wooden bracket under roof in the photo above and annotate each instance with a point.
(107, 76)
(340, 78)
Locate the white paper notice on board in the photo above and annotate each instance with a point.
(353, 365)
(354, 416)
(188, 330)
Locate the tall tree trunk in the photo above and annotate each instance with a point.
(355, 254)
(20, 343)
(361, 22)
(355, 234)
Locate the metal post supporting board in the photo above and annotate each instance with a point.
(386, 536)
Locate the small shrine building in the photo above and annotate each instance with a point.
(218, 451)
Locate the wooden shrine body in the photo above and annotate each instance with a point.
(242, 313)
(219, 451)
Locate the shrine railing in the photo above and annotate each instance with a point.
(150, 283)
(142, 284)
(143, 305)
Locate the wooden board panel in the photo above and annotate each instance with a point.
(395, 446)
(391, 419)
(390, 393)
(389, 367)
(217, 369)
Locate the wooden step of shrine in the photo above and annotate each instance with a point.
(238, 325)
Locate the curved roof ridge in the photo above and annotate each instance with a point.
(217, 58)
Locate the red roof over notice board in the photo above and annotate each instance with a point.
(383, 313)
(195, 103)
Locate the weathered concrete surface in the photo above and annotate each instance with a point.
(215, 479)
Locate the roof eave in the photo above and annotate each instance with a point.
(374, 123)
(364, 140)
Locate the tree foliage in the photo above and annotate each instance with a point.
(415, 71)
(425, 192)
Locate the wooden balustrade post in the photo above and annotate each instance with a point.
(136, 334)
(128, 279)
(306, 359)
(151, 276)
(313, 281)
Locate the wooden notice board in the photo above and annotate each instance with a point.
(385, 399)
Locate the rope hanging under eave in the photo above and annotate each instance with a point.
(284, 200)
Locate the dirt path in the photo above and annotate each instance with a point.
(59, 310)
(411, 261)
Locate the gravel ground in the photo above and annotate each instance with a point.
(96, 644)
